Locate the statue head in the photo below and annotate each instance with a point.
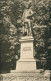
(28, 5)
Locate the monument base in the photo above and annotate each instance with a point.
(26, 65)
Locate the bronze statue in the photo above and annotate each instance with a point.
(27, 20)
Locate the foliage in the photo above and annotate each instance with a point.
(9, 33)
(41, 12)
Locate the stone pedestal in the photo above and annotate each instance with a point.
(26, 63)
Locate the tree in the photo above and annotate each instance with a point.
(41, 30)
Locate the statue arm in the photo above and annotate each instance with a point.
(22, 19)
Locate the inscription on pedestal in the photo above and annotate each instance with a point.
(27, 49)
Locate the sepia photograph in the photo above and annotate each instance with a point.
(25, 40)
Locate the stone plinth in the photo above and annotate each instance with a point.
(26, 63)
(34, 76)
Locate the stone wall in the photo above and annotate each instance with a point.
(34, 76)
